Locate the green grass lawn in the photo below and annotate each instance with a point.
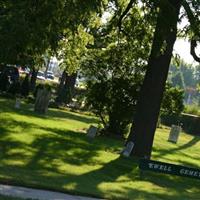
(53, 152)
(10, 198)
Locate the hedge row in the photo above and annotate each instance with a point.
(189, 123)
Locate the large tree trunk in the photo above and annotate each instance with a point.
(66, 88)
(47, 67)
(148, 107)
(70, 85)
(60, 91)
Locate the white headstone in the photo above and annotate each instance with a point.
(174, 133)
(17, 103)
(128, 149)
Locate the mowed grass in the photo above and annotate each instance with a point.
(10, 198)
(53, 152)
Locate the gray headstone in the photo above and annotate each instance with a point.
(174, 133)
(128, 149)
(92, 131)
(17, 103)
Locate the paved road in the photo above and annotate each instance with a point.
(25, 193)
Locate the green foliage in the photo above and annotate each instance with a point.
(115, 98)
(192, 109)
(114, 69)
(172, 101)
(72, 48)
(113, 82)
(29, 28)
(186, 77)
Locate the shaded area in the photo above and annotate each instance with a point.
(11, 198)
(27, 110)
(66, 160)
(179, 150)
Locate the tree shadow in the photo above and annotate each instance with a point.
(61, 147)
(69, 115)
(192, 142)
(67, 149)
(27, 110)
(178, 185)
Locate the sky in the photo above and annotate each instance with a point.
(182, 48)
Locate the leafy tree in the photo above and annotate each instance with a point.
(172, 102)
(114, 73)
(71, 51)
(29, 28)
(147, 110)
(113, 83)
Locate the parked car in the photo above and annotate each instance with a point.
(50, 75)
(24, 70)
(9, 79)
(11, 72)
(40, 75)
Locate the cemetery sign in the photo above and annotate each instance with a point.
(167, 168)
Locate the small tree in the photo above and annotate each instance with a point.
(172, 102)
(113, 82)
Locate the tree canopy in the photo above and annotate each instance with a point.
(29, 28)
(138, 37)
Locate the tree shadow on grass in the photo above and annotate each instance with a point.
(60, 147)
(72, 149)
(55, 113)
(90, 183)
(43, 169)
(164, 152)
(9, 124)
(7, 105)
(191, 143)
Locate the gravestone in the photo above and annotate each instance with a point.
(42, 100)
(17, 103)
(92, 131)
(174, 133)
(128, 149)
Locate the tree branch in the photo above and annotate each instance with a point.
(193, 45)
(128, 8)
(191, 17)
(194, 23)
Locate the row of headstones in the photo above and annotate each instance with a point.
(41, 106)
(173, 137)
(41, 101)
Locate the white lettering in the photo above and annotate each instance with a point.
(191, 173)
(169, 169)
(161, 167)
(195, 174)
(187, 172)
(150, 165)
(156, 166)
